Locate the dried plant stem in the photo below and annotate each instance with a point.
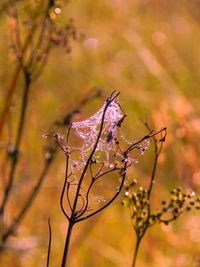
(139, 236)
(13, 84)
(15, 153)
(72, 219)
(9, 96)
(15, 223)
(49, 247)
(67, 242)
(137, 245)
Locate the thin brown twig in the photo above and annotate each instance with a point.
(13, 84)
(16, 222)
(109, 202)
(17, 143)
(49, 246)
(140, 234)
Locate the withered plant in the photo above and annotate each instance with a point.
(96, 153)
(33, 35)
(139, 201)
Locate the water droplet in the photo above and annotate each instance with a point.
(48, 156)
(57, 10)
(126, 193)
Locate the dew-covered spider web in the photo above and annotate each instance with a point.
(109, 145)
(88, 130)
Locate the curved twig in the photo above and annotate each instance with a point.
(109, 202)
(49, 247)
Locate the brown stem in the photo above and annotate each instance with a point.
(13, 83)
(49, 247)
(17, 143)
(67, 242)
(26, 206)
(9, 96)
(153, 173)
(136, 252)
(63, 190)
(108, 203)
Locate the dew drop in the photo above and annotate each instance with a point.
(57, 10)
(48, 156)
(126, 193)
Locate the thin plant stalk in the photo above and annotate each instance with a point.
(49, 247)
(139, 237)
(67, 243)
(17, 143)
(157, 151)
(13, 84)
(137, 245)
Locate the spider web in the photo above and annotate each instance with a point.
(88, 130)
(107, 153)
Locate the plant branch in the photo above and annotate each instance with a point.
(148, 136)
(49, 247)
(67, 242)
(13, 84)
(109, 202)
(17, 142)
(137, 245)
(64, 188)
(15, 223)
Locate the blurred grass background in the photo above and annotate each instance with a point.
(149, 51)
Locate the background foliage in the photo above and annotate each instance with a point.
(149, 51)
